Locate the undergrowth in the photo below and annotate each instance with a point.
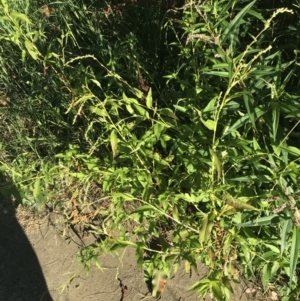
(183, 114)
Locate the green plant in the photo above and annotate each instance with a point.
(196, 153)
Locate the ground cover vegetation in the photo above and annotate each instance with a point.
(174, 124)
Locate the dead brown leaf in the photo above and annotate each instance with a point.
(47, 11)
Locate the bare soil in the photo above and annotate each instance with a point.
(39, 264)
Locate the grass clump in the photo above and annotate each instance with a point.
(178, 117)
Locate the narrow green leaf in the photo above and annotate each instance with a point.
(96, 262)
(24, 53)
(243, 120)
(218, 73)
(138, 93)
(114, 142)
(207, 224)
(78, 175)
(147, 193)
(256, 15)
(179, 108)
(272, 248)
(235, 23)
(211, 105)
(246, 254)
(217, 291)
(285, 231)
(285, 81)
(255, 144)
(129, 100)
(98, 111)
(20, 16)
(216, 159)
(291, 149)
(262, 221)
(143, 209)
(203, 229)
(37, 189)
(260, 71)
(96, 82)
(294, 252)
(149, 100)
(5, 5)
(158, 130)
(230, 70)
(269, 256)
(83, 98)
(130, 109)
(260, 178)
(119, 245)
(105, 185)
(200, 286)
(210, 124)
(226, 282)
(239, 205)
(227, 210)
(275, 119)
(141, 110)
(32, 50)
(249, 106)
(220, 66)
(186, 62)
(4, 18)
(187, 266)
(175, 213)
(275, 267)
(167, 112)
(266, 275)
(124, 196)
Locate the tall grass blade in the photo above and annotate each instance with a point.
(285, 230)
(294, 252)
(233, 25)
(249, 107)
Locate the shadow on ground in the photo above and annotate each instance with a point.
(21, 276)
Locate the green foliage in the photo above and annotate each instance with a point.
(187, 117)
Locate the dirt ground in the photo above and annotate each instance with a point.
(38, 264)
